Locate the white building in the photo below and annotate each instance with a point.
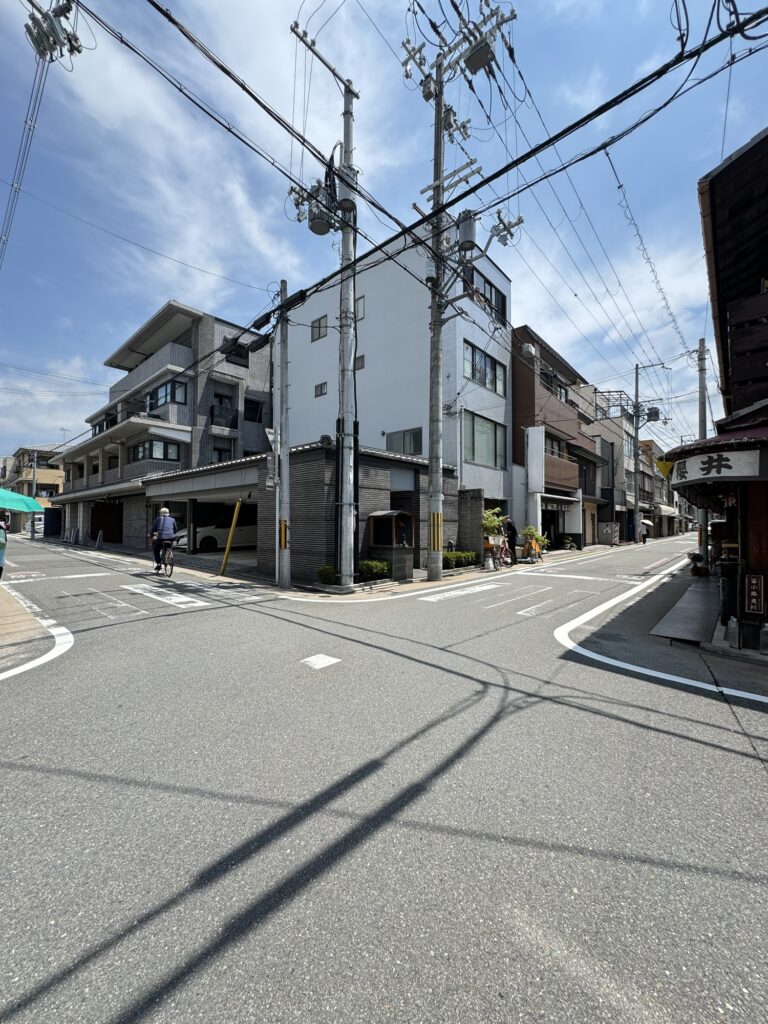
(392, 368)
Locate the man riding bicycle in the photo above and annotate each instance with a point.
(163, 532)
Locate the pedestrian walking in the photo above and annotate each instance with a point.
(3, 545)
(510, 532)
(163, 529)
(644, 531)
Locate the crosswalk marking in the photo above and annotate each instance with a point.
(166, 595)
(460, 593)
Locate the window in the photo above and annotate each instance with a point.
(484, 369)
(113, 462)
(321, 389)
(486, 293)
(253, 410)
(167, 451)
(553, 446)
(360, 363)
(360, 308)
(405, 442)
(485, 441)
(223, 400)
(319, 328)
(94, 468)
(172, 391)
(222, 449)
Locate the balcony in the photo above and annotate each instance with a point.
(177, 357)
(224, 416)
(559, 472)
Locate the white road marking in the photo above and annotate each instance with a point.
(563, 636)
(115, 602)
(460, 593)
(13, 565)
(534, 608)
(564, 576)
(63, 639)
(519, 597)
(39, 577)
(167, 596)
(319, 661)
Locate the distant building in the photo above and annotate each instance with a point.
(32, 472)
(181, 404)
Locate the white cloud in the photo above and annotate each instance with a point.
(587, 94)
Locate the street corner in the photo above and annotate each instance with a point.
(26, 641)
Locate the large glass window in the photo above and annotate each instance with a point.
(167, 451)
(405, 442)
(172, 391)
(486, 293)
(485, 441)
(553, 446)
(484, 369)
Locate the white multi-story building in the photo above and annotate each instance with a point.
(392, 368)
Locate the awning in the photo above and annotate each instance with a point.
(665, 510)
(558, 501)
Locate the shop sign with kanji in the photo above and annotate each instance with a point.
(716, 465)
(754, 602)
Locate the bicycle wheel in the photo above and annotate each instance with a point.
(505, 556)
(496, 559)
(168, 562)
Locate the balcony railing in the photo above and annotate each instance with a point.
(560, 472)
(223, 416)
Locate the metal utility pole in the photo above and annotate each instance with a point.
(703, 512)
(435, 499)
(283, 472)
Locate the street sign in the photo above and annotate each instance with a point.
(755, 598)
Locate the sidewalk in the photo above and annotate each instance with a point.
(22, 637)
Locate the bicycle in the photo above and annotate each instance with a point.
(507, 556)
(166, 558)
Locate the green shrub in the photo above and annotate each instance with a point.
(372, 569)
(327, 575)
(457, 559)
(533, 534)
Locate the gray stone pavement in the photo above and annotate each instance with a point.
(454, 820)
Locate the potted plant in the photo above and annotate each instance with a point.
(492, 525)
(697, 567)
(569, 544)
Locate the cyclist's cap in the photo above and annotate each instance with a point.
(164, 511)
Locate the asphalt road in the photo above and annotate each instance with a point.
(452, 819)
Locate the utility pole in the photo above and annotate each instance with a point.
(703, 512)
(347, 410)
(283, 472)
(34, 493)
(325, 213)
(636, 452)
(435, 499)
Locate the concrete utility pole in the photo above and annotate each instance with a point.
(703, 512)
(435, 500)
(324, 215)
(347, 410)
(34, 494)
(636, 451)
(284, 467)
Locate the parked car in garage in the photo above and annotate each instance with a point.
(214, 536)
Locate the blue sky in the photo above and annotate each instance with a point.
(117, 146)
